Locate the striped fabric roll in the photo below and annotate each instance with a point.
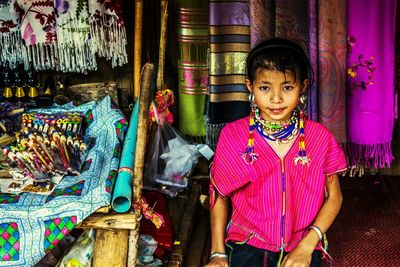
(192, 65)
(229, 47)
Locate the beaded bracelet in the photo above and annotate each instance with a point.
(317, 230)
(218, 255)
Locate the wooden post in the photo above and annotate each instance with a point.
(163, 43)
(111, 248)
(144, 103)
(137, 53)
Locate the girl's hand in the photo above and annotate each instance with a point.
(298, 257)
(218, 262)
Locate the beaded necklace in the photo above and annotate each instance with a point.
(273, 126)
(282, 132)
(289, 129)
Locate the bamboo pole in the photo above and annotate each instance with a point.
(137, 54)
(163, 43)
(144, 103)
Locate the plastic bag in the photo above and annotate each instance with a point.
(81, 253)
(169, 162)
(146, 247)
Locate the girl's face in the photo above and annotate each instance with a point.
(276, 94)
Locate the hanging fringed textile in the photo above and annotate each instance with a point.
(192, 65)
(370, 68)
(291, 20)
(74, 51)
(229, 47)
(10, 38)
(107, 29)
(332, 67)
(262, 21)
(38, 33)
(313, 90)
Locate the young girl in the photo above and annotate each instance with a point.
(278, 169)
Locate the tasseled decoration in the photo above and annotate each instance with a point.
(213, 132)
(249, 155)
(74, 51)
(142, 206)
(107, 29)
(10, 38)
(325, 250)
(38, 33)
(302, 156)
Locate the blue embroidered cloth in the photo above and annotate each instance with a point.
(31, 224)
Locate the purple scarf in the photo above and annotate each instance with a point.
(370, 69)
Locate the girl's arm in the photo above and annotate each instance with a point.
(326, 216)
(219, 218)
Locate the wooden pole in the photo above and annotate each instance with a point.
(111, 248)
(137, 54)
(163, 42)
(144, 103)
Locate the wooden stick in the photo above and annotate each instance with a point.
(144, 103)
(109, 221)
(163, 43)
(137, 56)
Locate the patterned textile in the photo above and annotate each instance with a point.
(108, 35)
(74, 52)
(229, 47)
(10, 38)
(312, 93)
(192, 65)
(332, 67)
(38, 32)
(33, 224)
(262, 21)
(291, 20)
(370, 68)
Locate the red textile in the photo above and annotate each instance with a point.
(165, 235)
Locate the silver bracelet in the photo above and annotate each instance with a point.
(317, 230)
(218, 255)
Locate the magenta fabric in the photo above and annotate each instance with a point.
(370, 64)
(273, 198)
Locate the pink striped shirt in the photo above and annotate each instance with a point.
(274, 201)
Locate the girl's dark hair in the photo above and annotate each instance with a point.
(279, 54)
